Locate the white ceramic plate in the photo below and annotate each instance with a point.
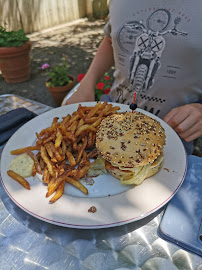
(116, 204)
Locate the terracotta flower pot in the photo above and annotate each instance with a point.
(59, 92)
(15, 63)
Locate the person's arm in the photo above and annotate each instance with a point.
(186, 121)
(101, 63)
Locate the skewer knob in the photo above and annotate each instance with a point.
(133, 106)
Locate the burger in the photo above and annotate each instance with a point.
(131, 145)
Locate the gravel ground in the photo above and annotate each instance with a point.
(79, 42)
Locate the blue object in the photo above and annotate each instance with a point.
(11, 121)
(199, 101)
(182, 219)
(105, 98)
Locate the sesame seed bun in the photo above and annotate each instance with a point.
(128, 140)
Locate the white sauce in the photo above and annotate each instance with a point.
(22, 165)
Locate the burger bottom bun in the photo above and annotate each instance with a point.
(126, 175)
(154, 170)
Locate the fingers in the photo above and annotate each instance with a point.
(193, 136)
(176, 116)
(186, 121)
(169, 118)
(186, 125)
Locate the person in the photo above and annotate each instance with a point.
(155, 47)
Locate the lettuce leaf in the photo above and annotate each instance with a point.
(98, 167)
(138, 178)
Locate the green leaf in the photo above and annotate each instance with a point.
(98, 94)
(12, 38)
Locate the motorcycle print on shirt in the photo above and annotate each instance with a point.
(149, 45)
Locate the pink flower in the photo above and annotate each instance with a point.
(44, 66)
(100, 85)
(106, 91)
(80, 77)
(107, 78)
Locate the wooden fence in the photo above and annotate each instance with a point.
(36, 15)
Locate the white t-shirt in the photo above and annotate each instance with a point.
(157, 48)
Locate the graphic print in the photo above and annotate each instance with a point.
(149, 45)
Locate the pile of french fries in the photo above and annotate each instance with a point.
(64, 150)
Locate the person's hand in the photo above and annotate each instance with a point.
(83, 94)
(186, 120)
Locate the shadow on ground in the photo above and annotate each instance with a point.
(78, 42)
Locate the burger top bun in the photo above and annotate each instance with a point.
(129, 139)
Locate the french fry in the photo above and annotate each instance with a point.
(93, 111)
(62, 168)
(38, 156)
(81, 123)
(49, 150)
(51, 180)
(58, 140)
(55, 123)
(59, 193)
(42, 164)
(71, 159)
(66, 119)
(40, 141)
(86, 109)
(46, 176)
(93, 140)
(47, 160)
(58, 154)
(107, 109)
(81, 149)
(63, 129)
(90, 138)
(96, 123)
(79, 173)
(33, 170)
(50, 130)
(83, 171)
(83, 129)
(21, 180)
(55, 184)
(70, 139)
(73, 118)
(92, 120)
(73, 127)
(75, 146)
(70, 136)
(84, 161)
(113, 110)
(36, 162)
(77, 184)
(102, 106)
(64, 147)
(54, 153)
(92, 154)
(45, 131)
(24, 150)
(50, 138)
(80, 111)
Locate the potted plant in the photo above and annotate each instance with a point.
(59, 82)
(15, 47)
